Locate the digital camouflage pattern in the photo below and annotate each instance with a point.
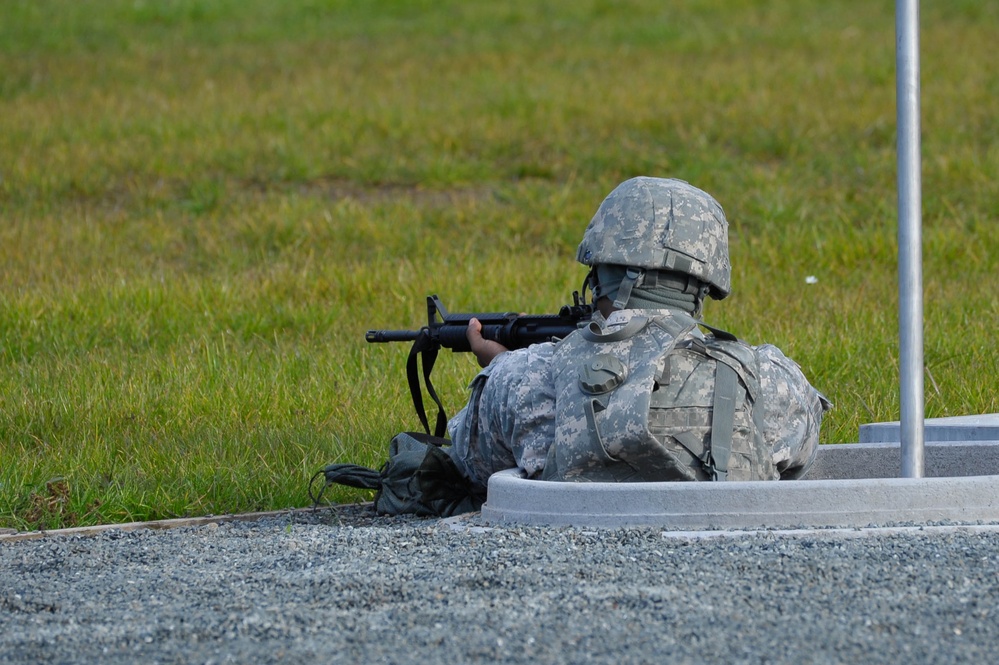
(650, 417)
(792, 412)
(603, 397)
(661, 224)
(510, 419)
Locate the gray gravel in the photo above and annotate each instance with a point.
(349, 588)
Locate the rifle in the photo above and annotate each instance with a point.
(447, 330)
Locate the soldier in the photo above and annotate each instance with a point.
(641, 394)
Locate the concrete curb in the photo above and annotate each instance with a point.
(944, 459)
(849, 486)
(803, 503)
(982, 427)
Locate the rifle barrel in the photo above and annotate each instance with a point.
(391, 335)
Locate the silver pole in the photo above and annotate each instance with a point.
(910, 260)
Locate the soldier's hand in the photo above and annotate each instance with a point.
(484, 349)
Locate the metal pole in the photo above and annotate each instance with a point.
(910, 260)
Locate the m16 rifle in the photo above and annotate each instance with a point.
(447, 330)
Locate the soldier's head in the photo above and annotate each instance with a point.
(657, 241)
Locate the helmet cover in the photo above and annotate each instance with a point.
(661, 224)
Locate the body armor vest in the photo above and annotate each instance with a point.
(654, 401)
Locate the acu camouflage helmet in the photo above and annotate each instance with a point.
(661, 224)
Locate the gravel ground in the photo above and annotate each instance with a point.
(343, 586)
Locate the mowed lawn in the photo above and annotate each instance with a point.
(205, 203)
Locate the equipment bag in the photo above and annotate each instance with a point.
(419, 478)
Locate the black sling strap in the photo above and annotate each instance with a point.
(425, 347)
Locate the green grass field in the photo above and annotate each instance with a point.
(205, 203)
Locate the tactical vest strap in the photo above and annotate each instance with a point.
(719, 333)
(592, 333)
(678, 325)
(722, 420)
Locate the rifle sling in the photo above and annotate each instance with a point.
(426, 347)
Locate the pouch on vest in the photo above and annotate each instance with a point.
(419, 478)
(706, 405)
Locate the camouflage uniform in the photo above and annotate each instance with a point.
(656, 247)
(510, 418)
(509, 421)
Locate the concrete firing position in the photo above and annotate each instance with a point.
(850, 485)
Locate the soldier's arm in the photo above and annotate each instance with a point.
(484, 349)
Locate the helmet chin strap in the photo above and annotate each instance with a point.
(631, 277)
(590, 282)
